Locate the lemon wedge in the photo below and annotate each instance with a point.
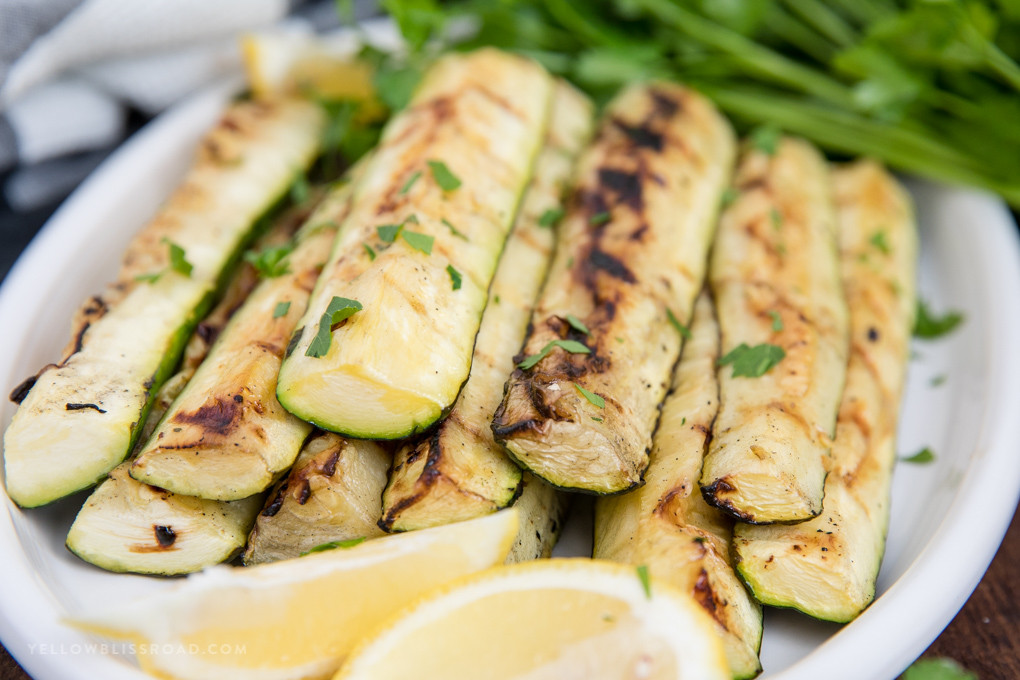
(279, 63)
(297, 618)
(546, 620)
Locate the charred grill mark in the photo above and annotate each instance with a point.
(216, 414)
(748, 185)
(665, 105)
(714, 494)
(329, 465)
(270, 348)
(640, 135)
(207, 332)
(274, 505)
(303, 492)
(707, 598)
(502, 432)
(19, 393)
(165, 535)
(294, 340)
(70, 406)
(626, 186)
(599, 260)
(639, 233)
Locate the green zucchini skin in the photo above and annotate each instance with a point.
(631, 250)
(83, 415)
(774, 274)
(826, 567)
(459, 471)
(397, 366)
(666, 524)
(226, 437)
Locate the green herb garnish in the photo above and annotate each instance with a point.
(446, 180)
(777, 321)
(388, 232)
(410, 182)
(419, 241)
(683, 330)
(577, 324)
(938, 380)
(455, 277)
(333, 545)
(928, 326)
(550, 218)
(178, 263)
(453, 229)
(728, 197)
(878, 239)
(270, 262)
(646, 580)
(281, 309)
(571, 346)
(369, 250)
(338, 310)
(777, 219)
(600, 218)
(752, 362)
(925, 455)
(591, 396)
(765, 139)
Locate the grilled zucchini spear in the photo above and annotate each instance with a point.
(459, 471)
(580, 410)
(827, 566)
(331, 494)
(387, 341)
(83, 415)
(775, 277)
(666, 524)
(127, 526)
(226, 437)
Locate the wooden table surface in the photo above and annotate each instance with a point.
(984, 637)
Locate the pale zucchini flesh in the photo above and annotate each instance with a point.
(775, 278)
(827, 567)
(666, 524)
(82, 416)
(226, 437)
(333, 493)
(395, 367)
(459, 471)
(631, 250)
(542, 509)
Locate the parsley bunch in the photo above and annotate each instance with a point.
(928, 86)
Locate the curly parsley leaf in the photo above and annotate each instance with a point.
(269, 262)
(929, 326)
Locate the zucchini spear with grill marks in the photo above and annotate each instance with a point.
(387, 341)
(666, 524)
(459, 471)
(226, 437)
(783, 319)
(127, 526)
(332, 493)
(827, 566)
(82, 416)
(579, 410)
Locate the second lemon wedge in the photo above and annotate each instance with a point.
(297, 618)
(546, 620)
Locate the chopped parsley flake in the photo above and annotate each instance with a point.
(339, 309)
(777, 321)
(455, 277)
(683, 330)
(752, 362)
(777, 219)
(925, 455)
(938, 381)
(571, 346)
(270, 262)
(728, 197)
(388, 232)
(591, 396)
(600, 218)
(453, 229)
(333, 545)
(369, 250)
(550, 218)
(597, 419)
(446, 180)
(878, 239)
(928, 326)
(410, 182)
(765, 139)
(281, 309)
(577, 324)
(646, 580)
(419, 241)
(299, 190)
(178, 263)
